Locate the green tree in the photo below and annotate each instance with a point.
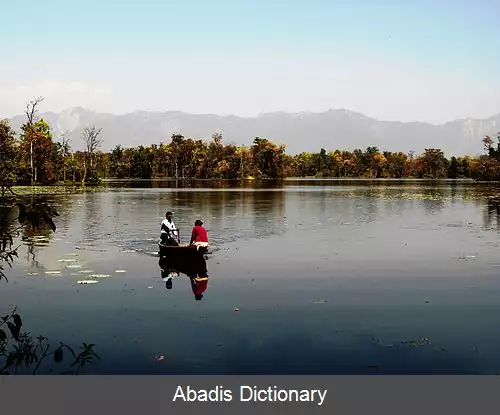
(267, 158)
(37, 150)
(434, 162)
(8, 154)
(453, 169)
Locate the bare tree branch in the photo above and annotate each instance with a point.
(31, 110)
(90, 136)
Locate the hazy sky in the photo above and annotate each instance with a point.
(427, 60)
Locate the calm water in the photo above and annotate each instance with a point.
(306, 277)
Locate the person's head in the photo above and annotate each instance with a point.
(168, 215)
(198, 223)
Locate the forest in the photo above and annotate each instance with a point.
(35, 156)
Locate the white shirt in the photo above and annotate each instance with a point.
(169, 225)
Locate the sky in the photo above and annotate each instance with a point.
(430, 60)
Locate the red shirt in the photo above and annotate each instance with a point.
(199, 234)
(200, 287)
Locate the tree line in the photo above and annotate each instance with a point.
(36, 156)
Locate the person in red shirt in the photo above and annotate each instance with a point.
(199, 234)
(199, 286)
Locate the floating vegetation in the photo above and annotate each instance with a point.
(87, 282)
(67, 260)
(421, 341)
(52, 272)
(466, 257)
(86, 271)
(120, 270)
(418, 342)
(93, 276)
(74, 266)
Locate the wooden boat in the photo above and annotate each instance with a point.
(181, 251)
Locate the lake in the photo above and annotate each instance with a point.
(306, 277)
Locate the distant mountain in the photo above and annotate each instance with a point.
(332, 129)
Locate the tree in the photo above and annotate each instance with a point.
(92, 141)
(8, 165)
(267, 157)
(489, 146)
(435, 162)
(396, 163)
(30, 112)
(36, 141)
(453, 170)
(65, 152)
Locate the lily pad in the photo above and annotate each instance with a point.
(98, 276)
(85, 271)
(421, 341)
(67, 260)
(120, 270)
(87, 282)
(74, 266)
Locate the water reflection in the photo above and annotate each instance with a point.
(195, 270)
(197, 184)
(492, 213)
(228, 215)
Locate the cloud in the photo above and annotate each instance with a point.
(58, 95)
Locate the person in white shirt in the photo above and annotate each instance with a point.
(169, 233)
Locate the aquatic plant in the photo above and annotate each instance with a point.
(21, 353)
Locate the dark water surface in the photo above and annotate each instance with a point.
(306, 277)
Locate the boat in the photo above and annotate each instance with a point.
(181, 251)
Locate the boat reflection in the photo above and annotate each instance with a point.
(196, 270)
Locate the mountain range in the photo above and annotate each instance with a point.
(333, 129)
